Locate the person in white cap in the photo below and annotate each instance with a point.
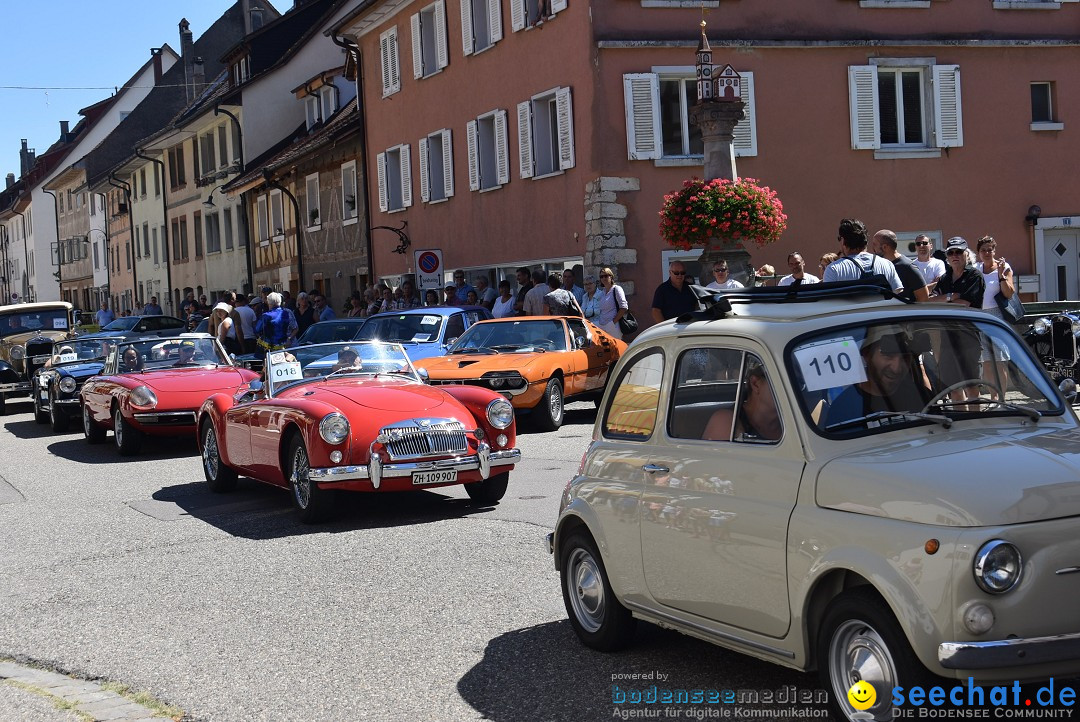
(220, 325)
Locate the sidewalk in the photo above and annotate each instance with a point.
(29, 694)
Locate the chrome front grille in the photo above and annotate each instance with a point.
(36, 348)
(420, 438)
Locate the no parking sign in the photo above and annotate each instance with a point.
(429, 269)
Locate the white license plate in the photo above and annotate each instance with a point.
(434, 477)
(41, 359)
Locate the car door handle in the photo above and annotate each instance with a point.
(655, 469)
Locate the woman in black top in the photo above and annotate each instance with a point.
(962, 285)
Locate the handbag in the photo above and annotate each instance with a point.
(628, 324)
(1011, 308)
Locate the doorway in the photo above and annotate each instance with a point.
(1062, 254)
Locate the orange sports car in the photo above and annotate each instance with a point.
(538, 362)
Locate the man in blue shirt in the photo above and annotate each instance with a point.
(461, 289)
(855, 261)
(569, 284)
(105, 316)
(322, 309)
(152, 308)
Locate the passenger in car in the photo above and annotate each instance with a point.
(347, 358)
(131, 361)
(894, 378)
(757, 419)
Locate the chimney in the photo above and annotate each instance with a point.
(155, 53)
(187, 56)
(63, 131)
(9, 181)
(26, 158)
(199, 77)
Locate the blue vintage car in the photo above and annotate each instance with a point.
(56, 385)
(424, 332)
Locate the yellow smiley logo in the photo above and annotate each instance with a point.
(862, 695)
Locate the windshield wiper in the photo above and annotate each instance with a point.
(877, 415)
(1033, 414)
(509, 346)
(348, 370)
(477, 349)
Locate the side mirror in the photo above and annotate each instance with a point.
(255, 385)
(424, 375)
(450, 342)
(78, 317)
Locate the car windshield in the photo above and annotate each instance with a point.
(337, 360)
(79, 351)
(402, 328)
(125, 323)
(155, 355)
(866, 379)
(46, 319)
(328, 331)
(512, 337)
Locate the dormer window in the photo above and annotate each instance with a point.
(241, 70)
(311, 108)
(327, 101)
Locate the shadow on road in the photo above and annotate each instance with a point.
(154, 448)
(26, 428)
(545, 673)
(576, 414)
(258, 511)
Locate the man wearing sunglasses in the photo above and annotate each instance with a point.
(673, 297)
(932, 267)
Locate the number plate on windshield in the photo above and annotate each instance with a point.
(434, 477)
(40, 359)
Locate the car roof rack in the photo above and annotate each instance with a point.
(717, 304)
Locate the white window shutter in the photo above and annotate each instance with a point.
(406, 175)
(863, 107)
(380, 165)
(395, 65)
(948, 119)
(525, 149)
(425, 187)
(495, 19)
(746, 129)
(474, 159)
(467, 43)
(641, 93)
(442, 54)
(557, 6)
(384, 56)
(448, 164)
(517, 15)
(417, 47)
(564, 111)
(502, 151)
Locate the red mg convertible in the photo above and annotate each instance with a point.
(155, 387)
(356, 416)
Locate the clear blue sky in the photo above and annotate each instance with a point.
(79, 44)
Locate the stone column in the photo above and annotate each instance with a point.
(717, 120)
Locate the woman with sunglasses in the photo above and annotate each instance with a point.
(962, 285)
(613, 305)
(997, 278)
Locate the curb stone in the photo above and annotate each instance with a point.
(89, 699)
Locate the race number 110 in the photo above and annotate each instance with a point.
(830, 364)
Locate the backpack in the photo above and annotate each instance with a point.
(867, 273)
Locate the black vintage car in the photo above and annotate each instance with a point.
(57, 384)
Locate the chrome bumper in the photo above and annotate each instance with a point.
(167, 418)
(73, 402)
(1009, 652)
(20, 387)
(377, 470)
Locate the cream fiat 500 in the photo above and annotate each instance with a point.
(831, 480)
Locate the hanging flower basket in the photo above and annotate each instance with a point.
(704, 212)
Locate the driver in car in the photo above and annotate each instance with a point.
(894, 379)
(130, 361)
(347, 358)
(186, 354)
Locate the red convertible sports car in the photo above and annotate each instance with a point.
(356, 416)
(155, 387)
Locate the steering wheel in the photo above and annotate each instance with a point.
(965, 384)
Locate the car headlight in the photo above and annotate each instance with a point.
(143, 396)
(17, 352)
(496, 381)
(334, 428)
(67, 385)
(1042, 325)
(500, 413)
(997, 566)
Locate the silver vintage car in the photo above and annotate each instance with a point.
(828, 479)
